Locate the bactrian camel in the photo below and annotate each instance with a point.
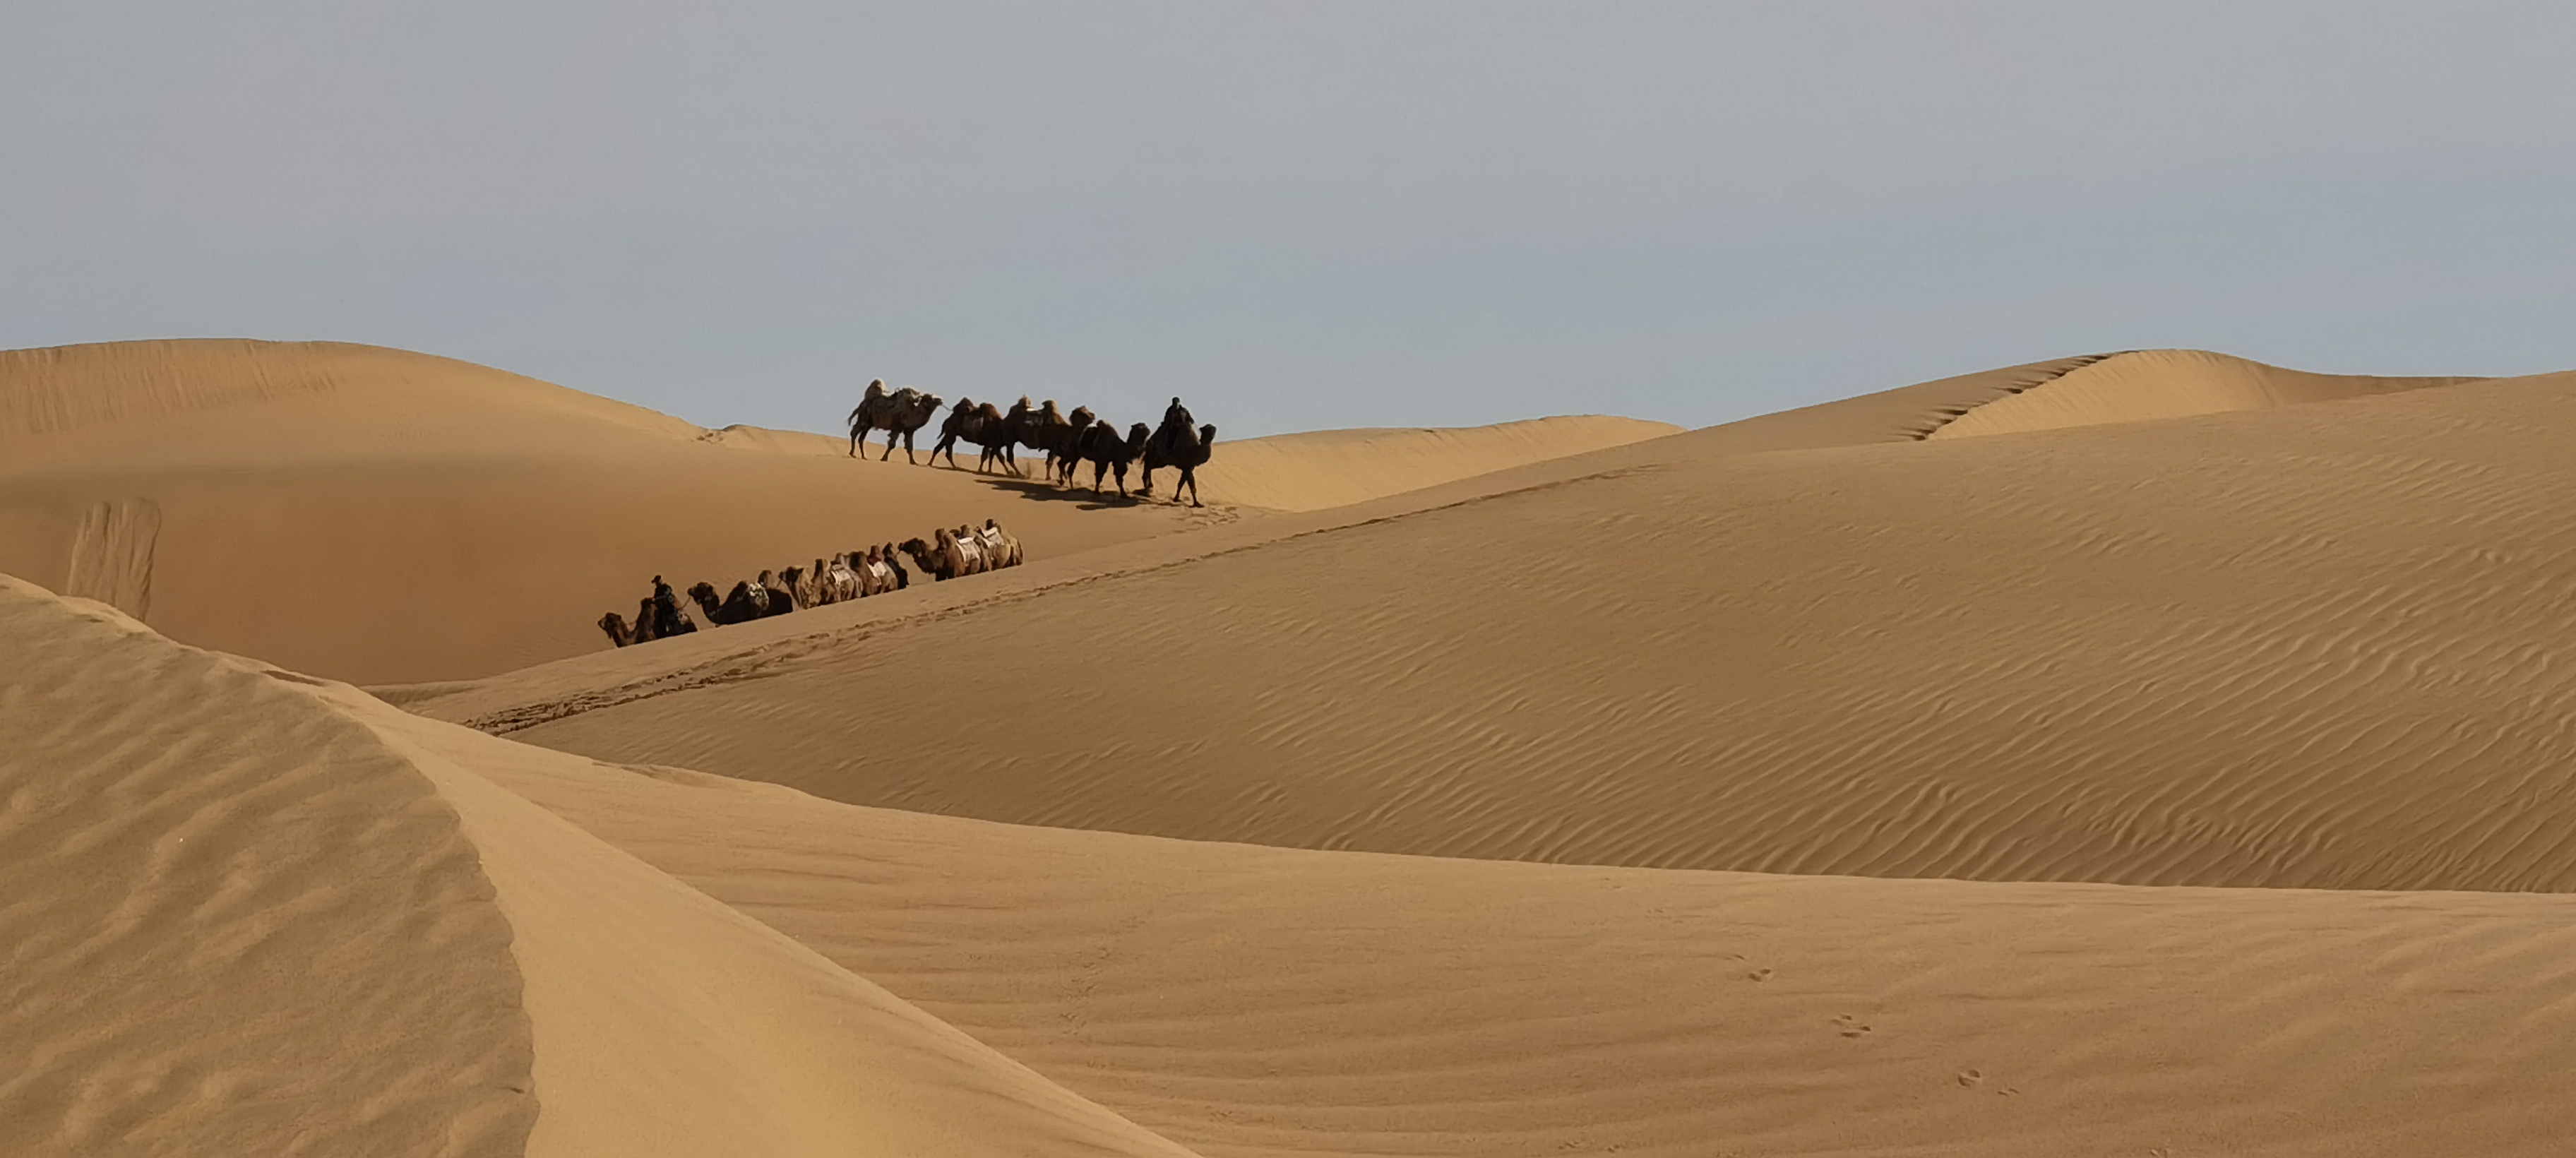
(900, 414)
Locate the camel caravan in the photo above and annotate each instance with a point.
(947, 554)
(1067, 440)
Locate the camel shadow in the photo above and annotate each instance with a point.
(1039, 490)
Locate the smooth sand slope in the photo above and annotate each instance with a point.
(384, 516)
(251, 913)
(1250, 1001)
(1334, 468)
(2315, 646)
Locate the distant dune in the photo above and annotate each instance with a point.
(2153, 753)
(384, 516)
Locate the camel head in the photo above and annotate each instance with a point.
(614, 624)
(1082, 416)
(1136, 437)
(704, 593)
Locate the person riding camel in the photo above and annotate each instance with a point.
(1177, 415)
(666, 609)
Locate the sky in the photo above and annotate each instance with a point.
(1296, 215)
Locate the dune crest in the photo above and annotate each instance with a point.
(255, 913)
(235, 923)
(2149, 384)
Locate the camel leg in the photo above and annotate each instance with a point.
(889, 450)
(1099, 475)
(1148, 489)
(854, 442)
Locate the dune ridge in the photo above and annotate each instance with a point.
(2143, 385)
(233, 924)
(2299, 647)
(372, 949)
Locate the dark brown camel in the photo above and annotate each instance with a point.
(622, 635)
(934, 562)
(1181, 448)
(1065, 453)
(974, 422)
(1107, 452)
(899, 414)
(749, 600)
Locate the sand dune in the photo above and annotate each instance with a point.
(1252, 1001)
(1838, 782)
(387, 517)
(384, 516)
(2304, 647)
(369, 948)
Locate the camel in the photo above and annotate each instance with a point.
(876, 575)
(1180, 447)
(1039, 429)
(1000, 549)
(947, 559)
(668, 619)
(1066, 452)
(622, 635)
(899, 414)
(813, 588)
(657, 616)
(842, 581)
(1101, 445)
(939, 566)
(969, 552)
(749, 600)
(977, 423)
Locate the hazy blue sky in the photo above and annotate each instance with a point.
(1298, 215)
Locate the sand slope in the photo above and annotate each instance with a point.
(251, 913)
(1252, 1001)
(388, 517)
(2305, 647)
(1333, 468)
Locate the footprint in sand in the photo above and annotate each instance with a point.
(1758, 975)
(1970, 1077)
(1849, 1026)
